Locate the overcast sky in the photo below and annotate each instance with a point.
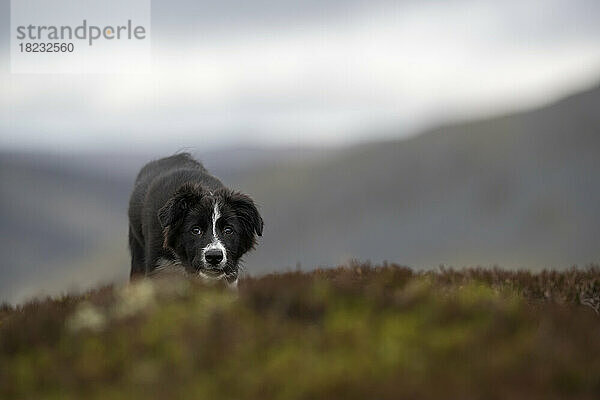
(282, 72)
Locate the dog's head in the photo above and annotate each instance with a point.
(210, 231)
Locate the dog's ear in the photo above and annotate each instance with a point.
(250, 220)
(171, 214)
(176, 207)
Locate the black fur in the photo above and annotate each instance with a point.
(173, 199)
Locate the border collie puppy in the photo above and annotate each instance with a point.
(183, 218)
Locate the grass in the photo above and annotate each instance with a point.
(358, 332)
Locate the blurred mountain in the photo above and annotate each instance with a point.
(54, 216)
(520, 190)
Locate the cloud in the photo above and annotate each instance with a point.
(312, 72)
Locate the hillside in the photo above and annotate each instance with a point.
(519, 190)
(57, 219)
(348, 333)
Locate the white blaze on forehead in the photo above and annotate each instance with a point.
(216, 243)
(216, 215)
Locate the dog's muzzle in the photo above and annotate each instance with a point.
(213, 257)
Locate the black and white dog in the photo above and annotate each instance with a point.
(182, 217)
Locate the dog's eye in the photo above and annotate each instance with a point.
(228, 230)
(196, 230)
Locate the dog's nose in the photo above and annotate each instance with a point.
(213, 256)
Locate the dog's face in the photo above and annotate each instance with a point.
(210, 231)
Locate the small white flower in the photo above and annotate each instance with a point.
(86, 317)
(135, 298)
